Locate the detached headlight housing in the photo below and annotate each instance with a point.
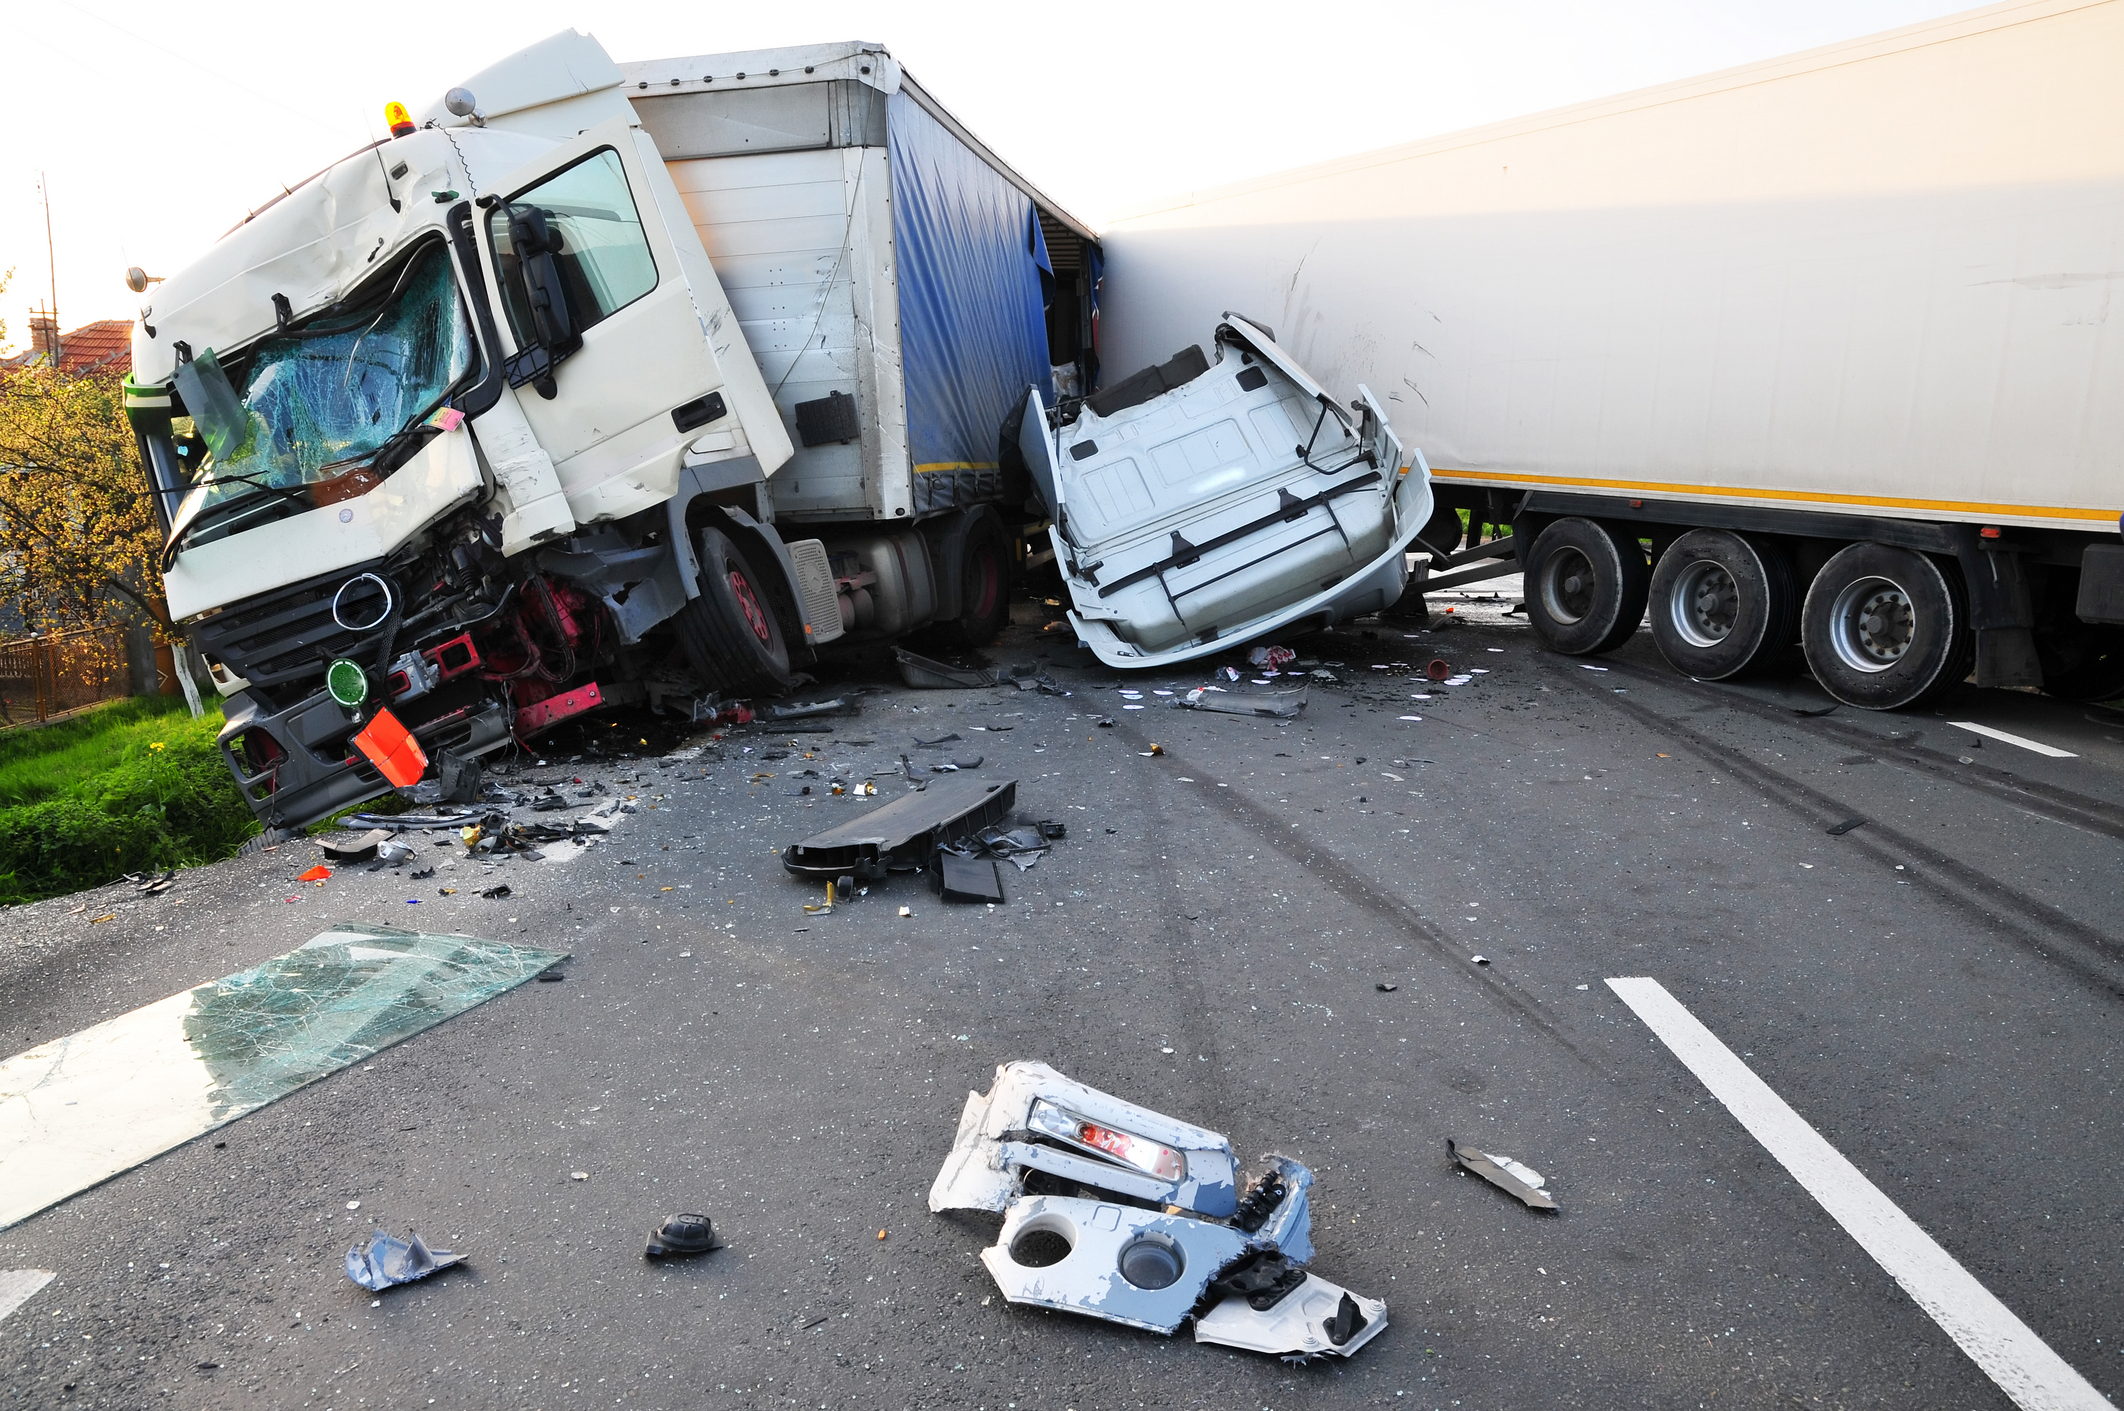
(1127, 1148)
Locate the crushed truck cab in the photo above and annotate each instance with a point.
(1198, 505)
(441, 435)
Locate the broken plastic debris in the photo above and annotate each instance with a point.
(1479, 959)
(924, 674)
(1153, 1225)
(1271, 657)
(963, 878)
(1521, 1182)
(315, 874)
(357, 849)
(904, 833)
(682, 1235)
(1285, 704)
(1438, 669)
(1386, 988)
(1837, 830)
(383, 1261)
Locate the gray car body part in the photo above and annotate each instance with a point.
(1238, 503)
(381, 1261)
(1069, 1251)
(906, 833)
(1521, 1182)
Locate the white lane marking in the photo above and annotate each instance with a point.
(2005, 1348)
(19, 1286)
(2023, 741)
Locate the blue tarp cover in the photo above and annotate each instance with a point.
(973, 329)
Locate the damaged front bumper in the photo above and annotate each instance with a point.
(1116, 1211)
(1240, 501)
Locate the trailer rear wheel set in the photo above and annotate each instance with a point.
(1881, 627)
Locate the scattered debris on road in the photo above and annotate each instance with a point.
(1119, 1212)
(905, 834)
(681, 1236)
(381, 1261)
(1837, 830)
(1521, 1182)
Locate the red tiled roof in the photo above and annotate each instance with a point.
(105, 346)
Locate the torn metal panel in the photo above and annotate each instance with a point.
(1241, 502)
(1046, 1119)
(1315, 1319)
(1521, 1182)
(905, 833)
(1107, 1211)
(381, 1261)
(1138, 1267)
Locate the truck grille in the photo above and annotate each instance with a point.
(281, 637)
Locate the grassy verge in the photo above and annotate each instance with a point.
(133, 785)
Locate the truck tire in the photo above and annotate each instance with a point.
(729, 632)
(1586, 586)
(1722, 604)
(984, 587)
(1885, 628)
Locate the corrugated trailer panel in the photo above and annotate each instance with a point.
(1875, 276)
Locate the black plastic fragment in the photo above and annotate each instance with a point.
(963, 878)
(1263, 1278)
(680, 1236)
(1347, 1322)
(905, 833)
(1260, 1202)
(1837, 830)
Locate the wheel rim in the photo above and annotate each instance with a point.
(1872, 624)
(748, 604)
(1567, 585)
(1703, 604)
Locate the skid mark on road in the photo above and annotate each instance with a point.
(2051, 801)
(1365, 893)
(2072, 945)
(2008, 1350)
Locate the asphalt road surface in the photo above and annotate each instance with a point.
(1935, 991)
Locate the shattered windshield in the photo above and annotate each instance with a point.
(309, 408)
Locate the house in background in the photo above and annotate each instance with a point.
(104, 347)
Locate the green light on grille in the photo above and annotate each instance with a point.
(347, 682)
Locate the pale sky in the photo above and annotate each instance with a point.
(159, 127)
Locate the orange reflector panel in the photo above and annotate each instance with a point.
(392, 749)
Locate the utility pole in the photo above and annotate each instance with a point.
(44, 187)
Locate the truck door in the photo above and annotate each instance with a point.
(608, 347)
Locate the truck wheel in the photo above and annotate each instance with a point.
(1722, 604)
(729, 632)
(1586, 586)
(984, 587)
(1885, 628)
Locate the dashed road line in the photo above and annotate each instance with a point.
(2008, 1350)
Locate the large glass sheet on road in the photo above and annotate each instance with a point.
(79, 1110)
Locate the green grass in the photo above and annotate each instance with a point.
(133, 785)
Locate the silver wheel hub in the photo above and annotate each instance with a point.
(1872, 624)
(1567, 585)
(1704, 604)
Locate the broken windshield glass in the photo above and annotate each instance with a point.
(311, 407)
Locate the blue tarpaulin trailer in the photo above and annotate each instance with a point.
(900, 286)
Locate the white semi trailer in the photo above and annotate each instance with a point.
(464, 435)
(1825, 347)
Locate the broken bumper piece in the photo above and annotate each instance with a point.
(1116, 1211)
(905, 833)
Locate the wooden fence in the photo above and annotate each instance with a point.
(51, 674)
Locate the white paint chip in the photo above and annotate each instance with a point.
(2007, 1350)
(2051, 751)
